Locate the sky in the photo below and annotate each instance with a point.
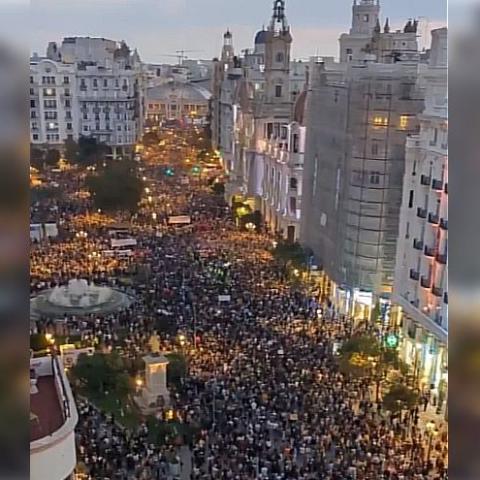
(160, 27)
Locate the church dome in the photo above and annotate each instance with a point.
(261, 37)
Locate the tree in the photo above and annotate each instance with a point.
(177, 368)
(399, 398)
(359, 355)
(117, 187)
(38, 342)
(37, 157)
(87, 152)
(71, 150)
(150, 138)
(101, 373)
(52, 157)
(290, 253)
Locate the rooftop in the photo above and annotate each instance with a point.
(46, 414)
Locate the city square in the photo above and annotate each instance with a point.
(183, 309)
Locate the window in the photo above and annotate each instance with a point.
(32, 91)
(375, 178)
(407, 230)
(66, 80)
(32, 103)
(403, 122)
(280, 57)
(68, 115)
(95, 83)
(31, 79)
(295, 143)
(366, 18)
(68, 104)
(380, 121)
(85, 128)
(410, 199)
(69, 126)
(278, 91)
(35, 136)
(33, 114)
(49, 92)
(435, 137)
(374, 148)
(348, 51)
(105, 83)
(293, 204)
(67, 92)
(83, 85)
(293, 183)
(269, 130)
(85, 116)
(50, 103)
(50, 115)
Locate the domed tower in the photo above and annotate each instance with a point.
(227, 50)
(278, 41)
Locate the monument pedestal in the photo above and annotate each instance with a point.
(154, 395)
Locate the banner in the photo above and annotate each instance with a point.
(224, 298)
(123, 242)
(179, 220)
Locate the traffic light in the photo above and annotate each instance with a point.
(169, 172)
(196, 169)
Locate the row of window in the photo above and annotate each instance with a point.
(50, 80)
(105, 83)
(366, 176)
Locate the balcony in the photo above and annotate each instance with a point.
(437, 185)
(424, 180)
(417, 244)
(443, 224)
(414, 275)
(429, 251)
(421, 212)
(426, 282)
(433, 218)
(437, 291)
(441, 258)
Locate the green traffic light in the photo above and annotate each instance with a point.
(391, 340)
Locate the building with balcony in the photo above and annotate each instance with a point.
(54, 114)
(89, 87)
(283, 176)
(53, 417)
(421, 300)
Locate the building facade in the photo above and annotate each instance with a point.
(421, 277)
(54, 114)
(177, 101)
(53, 417)
(89, 87)
(358, 119)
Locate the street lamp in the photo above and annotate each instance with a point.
(250, 226)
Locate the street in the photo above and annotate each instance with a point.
(263, 392)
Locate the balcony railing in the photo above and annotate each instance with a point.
(437, 184)
(426, 282)
(433, 218)
(429, 251)
(414, 275)
(441, 258)
(424, 180)
(417, 244)
(437, 291)
(421, 212)
(443, 224)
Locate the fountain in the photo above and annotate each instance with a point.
(78, 297)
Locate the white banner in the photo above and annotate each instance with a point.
(123, 242)
(224, 298)
(180, 220)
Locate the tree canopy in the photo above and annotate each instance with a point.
(87, 151)
(117, 187)
(399, 398)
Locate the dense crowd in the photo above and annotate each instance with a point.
(263, 385)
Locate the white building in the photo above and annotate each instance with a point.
(53, 417)
(87, 87)
(282, 176)
(421, 276)
(53, 105)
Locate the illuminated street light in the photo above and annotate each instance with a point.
(149, 199)
(154, 216)
(147, 190)
(250, 226)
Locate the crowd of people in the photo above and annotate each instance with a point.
(263, 386)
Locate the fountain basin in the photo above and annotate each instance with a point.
(78, 298)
